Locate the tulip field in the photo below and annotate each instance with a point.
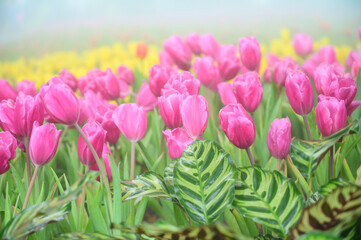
(190, 138)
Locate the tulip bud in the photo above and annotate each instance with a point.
(248, 90)
(299, 92)
(105, 156)
(279, 138)
(43, 143)
(125, 74)
(325, 54)
(303, 44)
(96, 136)
(282, 69)
(237, 125)
(177, 140)
(192, 40)
(108, 85)
(325, 79)
(131, 120)
(6, 90)
(7, 150)
(226, 93)
(356, 65)
(250, 52)
(267, 75)
(69, 79)
(108, 124)
(158, 77)
(228, 62)
(353, 56)
(207, 72)
(169, 108)
(60, 102)
(141, 50)
(209, 45)
(7, 120)
(26, 87)
(194, 112)
(146, 98)
(179, 51)
(331, 115)
(184, 82)
(165, 59)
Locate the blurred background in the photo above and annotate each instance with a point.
(34, 28)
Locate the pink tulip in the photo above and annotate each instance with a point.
(267, 75)
(96, 136)
(95, 105)
(165, 59)
(60, 102)
(194, 112)
(88, 82)
(131, 120)
(169, 108)
(158, 77)
(125, 74)
(6, 90)
(108, 124)
(331, 115)
(192, 40)
(325, 79)
(299, 92)
(7, 113)
(226, 93)
(83, 113)
(108, 85)
(184, 82)
(69, 79)
(282, 69)
(237, 125)
(228, 62)
(355, 69)
(250, 52)
(177, 140)
(207, 72)
(359, 32)
(303, 44)
(105, 155)
(146, 98)
(272, 60)
(353, 56)
(248, 90)
(179, 51)
(26, 87)
(324, 54)
(209, 45)
(43, 143)
(279, 138)
(7, 150)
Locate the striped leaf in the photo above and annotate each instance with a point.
(149, 184)
(268, 198)
(335, 211)
(204, 181)
(307, 154)
(266, 237)
(36, 217)
(319, 236)
(328, 188)
(168, 177)
(88, 236)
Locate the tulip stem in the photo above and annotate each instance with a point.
(307, 127)
(100, 166)
(28, 165)
(30, 187)
(63, 135)
(132, 160)
(250, 157)
(331, 163)
(117, 157)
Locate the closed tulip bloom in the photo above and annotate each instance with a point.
(131, 120)
(326, 79)
(303, 44)
(267, 75)
(60, 102)
(165, 59)
(250, 53)
(228, 62)
(96, 105)
(146, 98)
(105, 156)
(6, 90)
(356, 65)
(192, 40)
(282, 69)
(43, 143)
(353, 56)
(194, 112)
(209, 45)
(226, 93)
(169, 108)
(142, 50)
(207, 72)
(331, 115)
(7, 150)
(26, 87)
(179, 51)
(69, 79)
(108, 85)
(108, 124)
(237, 125)
(279, 138)
(299, 92)
(96, 135)
(125, 74)
(158, 77)
(326, 54)
(7, 113)
(248, 90)
(184, 82)
(177, 140)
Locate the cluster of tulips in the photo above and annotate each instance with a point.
(96, 105)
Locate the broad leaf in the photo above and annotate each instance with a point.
(268, 198)
(319, 236)
(328, 188)
(88, 236)
(204, 182)
(307, 154)
(168, 177)
(334, 211)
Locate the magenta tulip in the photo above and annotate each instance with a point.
(105, 156)
(226, 93)
(326, 54)
(207, 72)
(184, 82)
(192, 40)
(228, 62)
(69, 79)
(43, 143)
(158, 77)
(6, 90)
(146, 98)
(165, 59)
(355, 69)
(7, 150)
(326, 79)
(177, 140)
(7, 120)
(26, 87)
(209, 45)
(303, 44)
(282, 69)
(108, 85)
(83, 113)
(267, 75)
(131, 120)
(169, 108)
(125, 74)
(279, 138)
(250, 53)
(353, 56)
(95, 104)
(108, 124)
(179, 51)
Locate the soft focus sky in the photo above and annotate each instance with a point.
(77, 24)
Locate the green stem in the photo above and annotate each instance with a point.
(63, 135)
(250, 157)
(132, 160)
(307, 127)
(28, 164)
(331, 163)
(117, 157)
(30, 187)
(294, 171)
(347, 171)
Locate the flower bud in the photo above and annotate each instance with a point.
(282, 69)
(228, 62)
(250, 52)
(169, 108)
(356, 65)
(26, 87)
(248, 90)
(7, 150)
(207, 72)
(226, 93)
(179, 51)
(177, 140)
(209, 45)
(165, 59)
(158, 77)
(69, 79)
(192, 41)
(303, 44)
(6, 91)
(184, 82)
(108, 85)
(108, 124)
(279, 138)
(146, 98)
(125, 74)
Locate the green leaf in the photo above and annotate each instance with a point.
(268, 198)
(266, 237)
(357, 113)
(319, 236)
(326, 189)
(88, 236)
(204, 181)
(352, 231)
(306, 155)
(168, 177)
(149, 184)
(334, 211)
(36, 217)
